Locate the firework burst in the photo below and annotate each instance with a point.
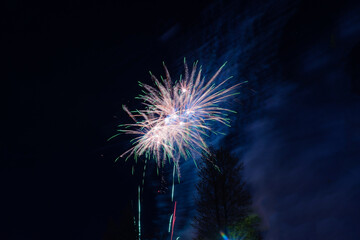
(177, 116)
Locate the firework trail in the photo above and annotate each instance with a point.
(176, 116)
(173, 222)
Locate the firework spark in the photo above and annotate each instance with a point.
(177, 116)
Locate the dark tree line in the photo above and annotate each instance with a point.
(223, 202)
(223, 205)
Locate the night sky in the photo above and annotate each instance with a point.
(69, 66)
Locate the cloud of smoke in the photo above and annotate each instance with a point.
(302, 164)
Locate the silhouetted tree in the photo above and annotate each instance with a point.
(247, 229)
(223, 200)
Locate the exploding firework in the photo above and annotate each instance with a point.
(177, 116)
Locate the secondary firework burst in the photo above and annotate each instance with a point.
(177, 116)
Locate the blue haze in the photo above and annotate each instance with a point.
(297, 127)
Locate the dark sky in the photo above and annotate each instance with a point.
(69, 66)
